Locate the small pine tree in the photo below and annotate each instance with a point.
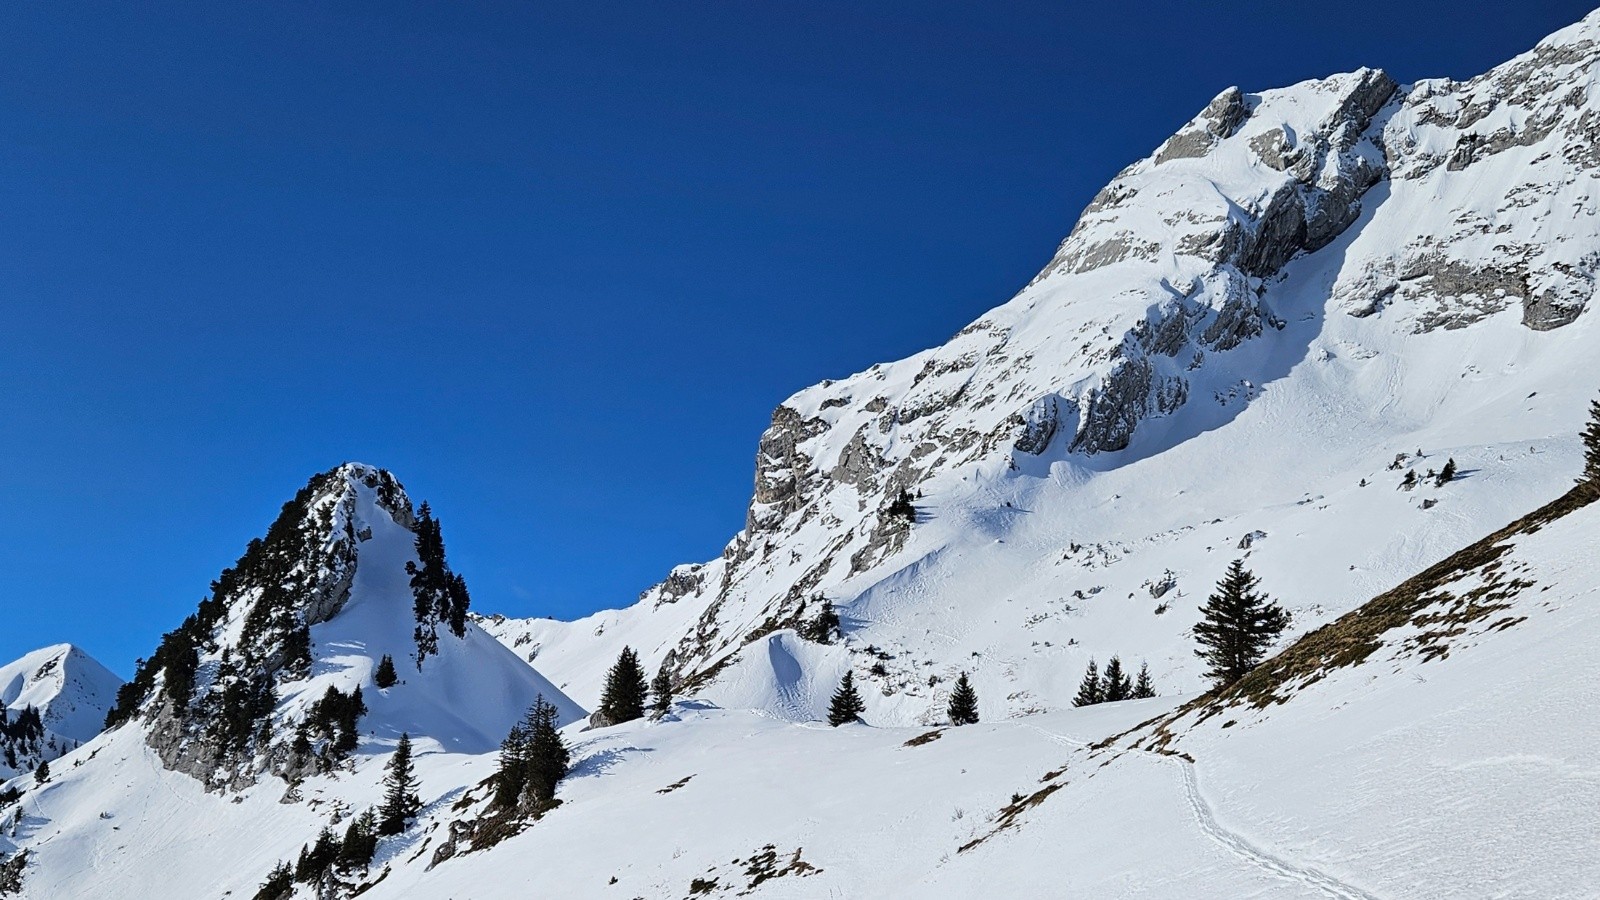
(825, 626)
(1410, 481)
(624, 697)
(661, 689)
(385, 677)
(1238, 624)
(400, 800)
(1116, 685)
(1447, 474)
(846, 705)
(1591, 446)
(279, 884)
(1143, 689)
(42, 773)
(963, 703)
(1089, 688)
(901, 508)
(360, 842)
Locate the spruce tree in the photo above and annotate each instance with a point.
(825, 626)
(42, 773)
(1089, 688)
(1238, 624)
(279, 884)
(846, 705)
(400, 800)
(963, 703)
(1591, 446)
(360, 842)
(1143, 689)
(1116, 685)
(1447, 474)
(624, 697)
(661, 689)
(512, 775)
(386, 676)
(549, 760)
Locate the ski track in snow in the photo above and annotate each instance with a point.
(1232, 841)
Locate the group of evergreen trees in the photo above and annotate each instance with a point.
(334, 718)
(533, 760)
(325, 858)
(439, 595)
(626, 694)
(824, 626)
(1114, 685)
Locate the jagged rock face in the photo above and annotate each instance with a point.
(1510, 156)
(1176, 279)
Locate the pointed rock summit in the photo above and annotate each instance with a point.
(274, 672)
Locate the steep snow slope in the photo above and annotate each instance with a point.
(1225, 358)
(70, 691)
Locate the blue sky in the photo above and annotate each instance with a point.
(553, 264)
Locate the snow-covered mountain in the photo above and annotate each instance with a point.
(1246, 342)
(67, 689)
(1259, 342)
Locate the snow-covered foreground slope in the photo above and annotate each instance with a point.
(70, 691)
(1453, 758)
(1226, 358)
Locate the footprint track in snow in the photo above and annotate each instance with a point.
(1233, 842)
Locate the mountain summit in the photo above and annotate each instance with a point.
(349, 573)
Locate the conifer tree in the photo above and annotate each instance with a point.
(42, 773)
(385, 676)
(661, 689)
(549, 760)
(624, 697)
(901, 508)
(846, 705)
(360, 842)
(533, 759)
(512, 774)
(315, 862)
(1089, 688)
(1116, 684)
(400, 800)
(439, 595)
(1410, 481)
(825, 626)
(279, 884)
(963, 703)
(1238, 624)
(1447, 474)
(1143, 689)
(1591, 446)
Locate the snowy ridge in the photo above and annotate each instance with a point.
(1241, 335)
(69, 689)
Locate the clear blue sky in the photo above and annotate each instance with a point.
(553, 264)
